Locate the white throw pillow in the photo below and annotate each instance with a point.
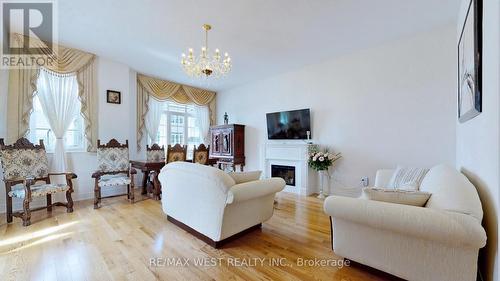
(241, 177)
(413, 198)
(407, 178)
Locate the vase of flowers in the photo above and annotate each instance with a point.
(320, 162)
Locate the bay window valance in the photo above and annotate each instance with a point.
(162, 90)
(22, 88)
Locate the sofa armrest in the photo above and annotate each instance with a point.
(450, 228)
(383, 177)
(254, 189)
(242, 177)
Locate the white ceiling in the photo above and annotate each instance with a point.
(263, 37)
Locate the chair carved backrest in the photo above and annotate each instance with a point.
(176, 153)
(24, 159)
(155, 153)
(200, 154)
(113, 156)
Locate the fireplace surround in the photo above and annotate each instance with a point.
(291, 154)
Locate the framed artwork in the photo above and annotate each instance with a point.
(113, 97)
(470, 63)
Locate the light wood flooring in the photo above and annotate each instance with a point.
(118, 241)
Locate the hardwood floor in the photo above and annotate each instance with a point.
(120, 241)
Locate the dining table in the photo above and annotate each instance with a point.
(148, 167)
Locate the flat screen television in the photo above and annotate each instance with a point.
(292, 124)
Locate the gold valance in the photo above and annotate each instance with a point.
(22, 87)
(63, 60)
(166, 90)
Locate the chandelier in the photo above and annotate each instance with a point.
(206, 64)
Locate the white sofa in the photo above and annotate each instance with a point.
(438, 242)
(207, 202)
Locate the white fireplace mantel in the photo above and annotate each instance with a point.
(295, 155)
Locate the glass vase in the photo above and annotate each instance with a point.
(322, 179)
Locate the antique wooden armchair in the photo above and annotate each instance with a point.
(155, 153)
(200, 154)
(26, 176)
(114, 170)
(176, 153)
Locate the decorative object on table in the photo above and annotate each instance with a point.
(470, 64)
(228, 145)
(176, 153)
(320, 161)
(226, 118)
(206, 65)
(113, 97)
(25, 166)
(113, 170)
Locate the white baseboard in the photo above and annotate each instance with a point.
(17, 204)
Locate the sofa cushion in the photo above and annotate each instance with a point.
(413, 198)
(241, 177)
(407, 178)
(451, 191)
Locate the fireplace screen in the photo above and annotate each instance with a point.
(285, 172)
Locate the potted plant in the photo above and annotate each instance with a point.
(320, 161)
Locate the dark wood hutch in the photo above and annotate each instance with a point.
(227, 145)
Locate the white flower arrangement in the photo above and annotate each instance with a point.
(321, 161)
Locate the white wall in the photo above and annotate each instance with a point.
(4, 76)
(393, 104)
(478, 139)
(115, 121)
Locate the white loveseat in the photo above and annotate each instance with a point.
(437, 242)
(207, 202)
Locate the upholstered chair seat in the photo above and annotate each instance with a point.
(38, 190)
(114, 180)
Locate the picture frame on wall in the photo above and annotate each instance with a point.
(470, 63)
(114, 97)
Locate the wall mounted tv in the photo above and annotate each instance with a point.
(294, 124)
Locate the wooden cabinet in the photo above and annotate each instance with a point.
(228, 145)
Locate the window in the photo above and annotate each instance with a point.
(179, 124)
(74, 139)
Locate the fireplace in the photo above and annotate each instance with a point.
(285, 172)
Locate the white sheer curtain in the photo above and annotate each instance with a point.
(58, 95)
(153, 117)
(203, 118)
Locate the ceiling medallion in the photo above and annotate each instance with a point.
(206, 65)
